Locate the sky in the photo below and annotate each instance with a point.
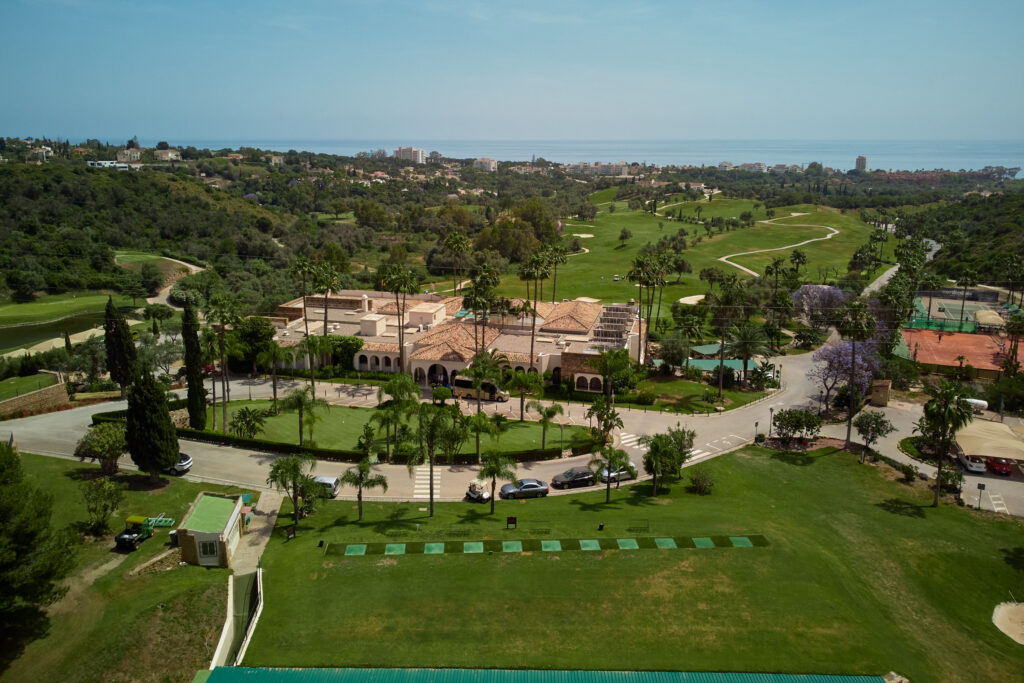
(523, 70)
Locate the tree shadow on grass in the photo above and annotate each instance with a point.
(599, 506)
(132, 481)
(901, 507)
(476, 515)
(796, 458)
(1014, 557)
(19, 627)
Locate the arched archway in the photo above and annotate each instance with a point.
(595, 384)
(362, 362)
(374, 362)
(556, 375)
(387, 363)
(581, 383)
(519, 368)
(419, 376)
(533, 370)
(437, 374)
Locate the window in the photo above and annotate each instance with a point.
(207, 548)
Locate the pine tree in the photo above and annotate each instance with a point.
(152, 442)
(120, 347)
(193, 368)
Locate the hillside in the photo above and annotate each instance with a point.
(60, 226)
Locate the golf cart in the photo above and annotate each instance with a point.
(478, 492)
(137, 529)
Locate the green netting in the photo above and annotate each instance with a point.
(917, 323)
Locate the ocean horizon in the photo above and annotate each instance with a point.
(909, 155)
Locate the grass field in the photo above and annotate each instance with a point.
(592, 274)
(340, 427)
(858, 575)
(134, 260)
(52, 306)
(112, 626)
(16, 386)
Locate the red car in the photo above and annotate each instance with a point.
(1000, 466)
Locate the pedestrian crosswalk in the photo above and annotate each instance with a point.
(421, 482)
(631, 441)
(998, 504)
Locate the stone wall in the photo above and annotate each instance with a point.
(42, 399)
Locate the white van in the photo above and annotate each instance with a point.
(332, 485)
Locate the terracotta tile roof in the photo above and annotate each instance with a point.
(572, 316)
(380, 348)
(518, 358)
(452, 341)
(452, 305)
(577, 363)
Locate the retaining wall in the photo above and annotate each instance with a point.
(47, 398)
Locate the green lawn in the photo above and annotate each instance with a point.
(133, 261)
(340, 427)
(113, 626)
(53, 306)
(593, 274)
(688, 396)
(16, 386)
(858, 575)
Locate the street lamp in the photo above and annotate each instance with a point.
(771, 420)
(755, 430)
(561, 435)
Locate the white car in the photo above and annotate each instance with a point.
(628, 472)
(972, 463)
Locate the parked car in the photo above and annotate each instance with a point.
(1001, 466)
(525, 488)
(576, 476)
(332, 485)
(183, 465)
(972, 463)
(477, 492)
(628, 472)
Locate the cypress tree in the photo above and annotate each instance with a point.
(120, 347)
(193, 368)
(152, 441)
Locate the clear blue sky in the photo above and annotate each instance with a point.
(437, 69)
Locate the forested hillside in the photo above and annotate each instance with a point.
(60, 226)
(980, 234)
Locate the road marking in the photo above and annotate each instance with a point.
(736, 437)
(697, 454)
(713, 448)
(421, 484)
(630, 440)
(997, 502)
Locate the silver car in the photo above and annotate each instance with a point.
(627, 472)
(525, 488)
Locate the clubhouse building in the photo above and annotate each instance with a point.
(441, 337)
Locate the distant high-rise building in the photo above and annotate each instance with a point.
(485, 164)
(413, 154)
(862, 163)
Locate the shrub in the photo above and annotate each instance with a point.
(760, 438)
(909, 472)
(729, 378)
(847, 396)
(646, 398)
(692, 373)
(701, 481)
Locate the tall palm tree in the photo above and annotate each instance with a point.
(1015, 328)
(305, 270)
(609, 362)
(729, 303)
(556, 256)
(495, 465)
(797, 258)
(609, 459)
(401, 282)
(640, 274)
(327, 279)
(304, 402)
(856, 324)
(222, 310)
(486, 365)
(745, 341)
(208, 344)
(273, 356)
(362, 477)
(293, 475)
(403, 398)
(457, 244)
(547, 418)
(930, 282)
(478, 423)
(501, 425)
(945, 413)
(968, 278)
(525, 383)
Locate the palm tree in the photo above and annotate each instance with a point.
(608, 418)
(401, 282)
(304, 402)
(525, 383)
(500, 423)
(798, 258)
(305, 270)
(745, 341)
(361, 477)
(208, 344)
(495, 465)
(404, 397)
(945, 413)
(610, 459)
(640, 275)
(930, 282)
(856, 324)
(437, 429)
(547, 418)
(479, 423)
(293, 475)
(1015, 328)
(222, 310)
(486, 365)
(326, 279)
(312, 346)
(556, 256)
(609, 362)
(727, 304)
(247, 422)
(968, 278)
(457, 244)
(272, 356)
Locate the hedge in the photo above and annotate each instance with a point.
(340, 455)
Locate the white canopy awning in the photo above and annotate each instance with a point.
(990, 439)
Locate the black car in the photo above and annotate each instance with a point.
(577, 476)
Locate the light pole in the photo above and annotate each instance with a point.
(755, 430)
(561, 435)
(771, 420)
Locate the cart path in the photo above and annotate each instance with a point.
(250, 547)
(725, 259)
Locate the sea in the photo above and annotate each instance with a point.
(903, 155)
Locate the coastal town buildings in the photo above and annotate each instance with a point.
(485, 164)
(413, 154)
(862, 163)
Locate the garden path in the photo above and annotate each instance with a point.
(725, 259)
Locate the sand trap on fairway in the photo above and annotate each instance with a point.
(691, 300)
(1009, 618)
(582, 235)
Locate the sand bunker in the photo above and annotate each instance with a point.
(1009, 618)
(691, 300)
(582, 235)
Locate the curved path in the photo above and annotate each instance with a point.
(725, 259)
(163, 296)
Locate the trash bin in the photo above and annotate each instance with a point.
(173, 534)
